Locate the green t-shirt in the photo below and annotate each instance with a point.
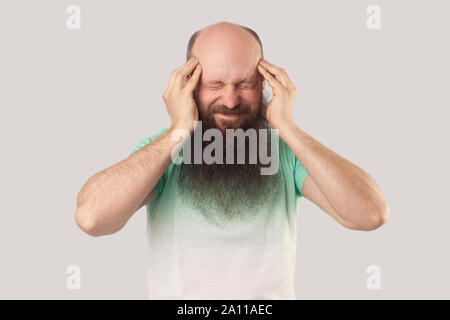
(191, 259)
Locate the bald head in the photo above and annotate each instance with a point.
(227, 53)
(224, 28)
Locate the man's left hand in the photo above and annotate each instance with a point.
(279, 109)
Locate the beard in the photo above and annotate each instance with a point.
(223, 192)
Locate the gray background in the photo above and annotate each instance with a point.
(75, 102)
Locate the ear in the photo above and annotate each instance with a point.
(263, 83)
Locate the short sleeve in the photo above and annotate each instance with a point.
(160, 184)
(300, 175)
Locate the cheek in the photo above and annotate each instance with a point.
(204, 99)
(251, 96)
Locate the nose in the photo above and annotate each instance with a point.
(230, 97)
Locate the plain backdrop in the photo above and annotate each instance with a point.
(74, 102)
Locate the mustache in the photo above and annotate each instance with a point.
(239, 109)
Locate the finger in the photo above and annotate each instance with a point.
(278, 72)
(192, 82)
(274, 83)
(176, 74)
(181, 73)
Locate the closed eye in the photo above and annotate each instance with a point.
(215, 86)
(246, 85)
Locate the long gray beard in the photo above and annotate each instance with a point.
(223, 193)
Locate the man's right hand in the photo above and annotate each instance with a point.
(109, 198)
(179, 95)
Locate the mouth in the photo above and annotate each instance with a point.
(227, 116)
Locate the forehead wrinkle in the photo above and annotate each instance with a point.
(227, 68)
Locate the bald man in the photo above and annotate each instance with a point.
(224, 230)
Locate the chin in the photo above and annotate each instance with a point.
(235, 124)
(231, 122)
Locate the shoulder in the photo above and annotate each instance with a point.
(147, 140)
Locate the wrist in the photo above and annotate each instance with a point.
(286, 129)
(279, 124)
(178, 126)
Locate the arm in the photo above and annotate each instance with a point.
(342, 189)
(311, 191)
(109, 198)
(334, 184)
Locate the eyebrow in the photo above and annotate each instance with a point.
(251, 79)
